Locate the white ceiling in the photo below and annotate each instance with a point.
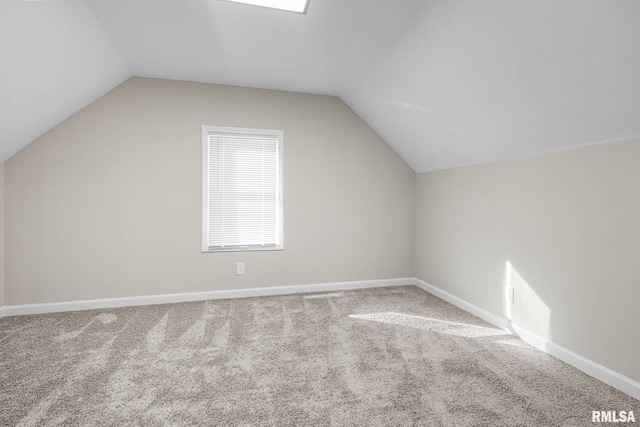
(216, 41)
(472, 81)
(54, 60)
(446, 82)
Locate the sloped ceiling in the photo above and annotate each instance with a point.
(55, 59)
(445, 82)
(216, 41)
(473, 81)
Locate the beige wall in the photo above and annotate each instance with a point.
(108, 204)
(569, 224)
(1, 234)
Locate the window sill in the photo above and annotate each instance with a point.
(247, 249)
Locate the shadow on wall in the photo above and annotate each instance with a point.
(524, 309)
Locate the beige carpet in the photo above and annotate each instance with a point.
(393, 356)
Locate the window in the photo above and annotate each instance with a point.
(241, 189)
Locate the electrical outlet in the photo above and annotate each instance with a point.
(240, 268)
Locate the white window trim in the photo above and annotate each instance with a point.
(205, 185)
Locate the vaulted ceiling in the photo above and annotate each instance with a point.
(444, 82)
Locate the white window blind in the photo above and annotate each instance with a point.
(242, 189)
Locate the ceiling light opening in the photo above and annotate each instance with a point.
(299, 6)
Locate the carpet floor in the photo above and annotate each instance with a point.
(395, 356)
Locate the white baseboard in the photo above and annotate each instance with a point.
(18, 310)
(475, 310)
(589, 367)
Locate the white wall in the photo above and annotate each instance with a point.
(108, 204)
(569, 225)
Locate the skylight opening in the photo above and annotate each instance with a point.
(298, 6)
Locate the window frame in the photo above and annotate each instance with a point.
(279, 134)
